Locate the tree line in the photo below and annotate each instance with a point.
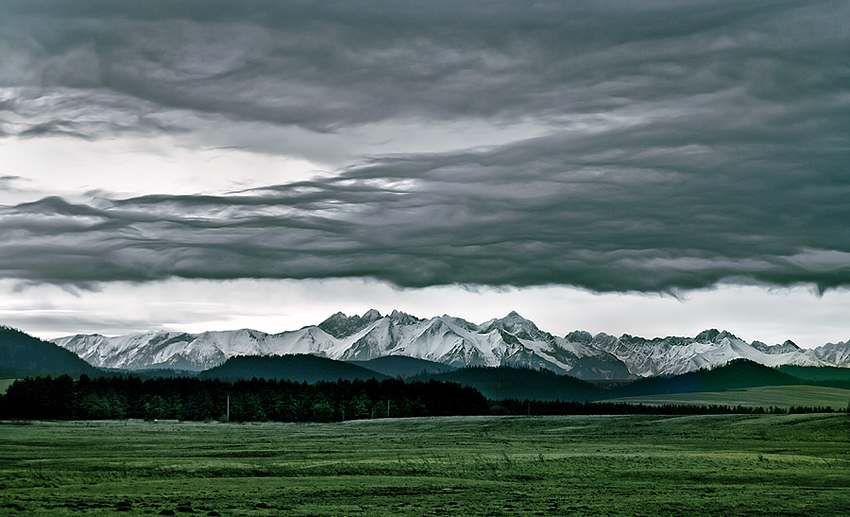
(536, 407)
(192, 399)
(188, 398)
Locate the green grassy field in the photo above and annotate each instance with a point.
(778, 396)
(478, 466)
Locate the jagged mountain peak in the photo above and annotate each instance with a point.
(787, 347)
(511, 340)
(338, 316)
(458, 322)
(340, 325)
(707, 335)
(715, 336)
(403, 318)
(513, 322)
(95, 335)
(712, 336)
(514, 318)
(579, 336)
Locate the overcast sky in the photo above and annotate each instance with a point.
(653, 168)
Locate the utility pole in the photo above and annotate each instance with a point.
(228, 408)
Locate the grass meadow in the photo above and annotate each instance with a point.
(474, 466)
(778, 396)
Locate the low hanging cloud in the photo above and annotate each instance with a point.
(682, 145)
(644, 222)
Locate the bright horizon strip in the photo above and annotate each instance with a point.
(279, 306)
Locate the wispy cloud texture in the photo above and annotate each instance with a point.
(676, 145)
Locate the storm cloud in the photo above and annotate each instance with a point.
(680, 144)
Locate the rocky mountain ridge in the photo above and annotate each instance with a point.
(512, 341)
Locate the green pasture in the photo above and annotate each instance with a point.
(729, 465)
(765, 396)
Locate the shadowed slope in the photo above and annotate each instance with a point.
(299, 368)
(22, 355)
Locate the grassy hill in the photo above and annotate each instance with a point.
(299, 368)
(829, 374)
(778, 396)
(738, 374)
(507, 382)
(401, 366)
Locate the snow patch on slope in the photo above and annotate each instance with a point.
(512, 340)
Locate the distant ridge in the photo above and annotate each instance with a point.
(824, 373)
(740, 373)
(506, 382)
(509, 341)
(526, 384)
(298, 368)
(22, 355)
(402, 366)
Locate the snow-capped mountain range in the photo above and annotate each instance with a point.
(512, 340)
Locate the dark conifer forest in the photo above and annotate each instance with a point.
(188, 398)
(258, 400)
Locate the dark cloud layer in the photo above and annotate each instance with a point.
(688, 143)
(664, 219)
(94, 67)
